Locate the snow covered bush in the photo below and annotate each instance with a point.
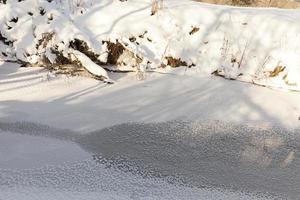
(261, 46)
(39, 34)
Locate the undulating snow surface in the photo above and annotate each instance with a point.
(78, 159)
(259, 46)
(81, 104)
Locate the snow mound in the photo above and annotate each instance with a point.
(89, 64)
(255, 45)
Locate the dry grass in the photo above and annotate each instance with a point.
(175, 62)
(290, 4)
(156, 5)
(194, 30)
(82, 46)
(115, 50)
(276, 71)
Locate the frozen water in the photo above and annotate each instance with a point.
(171, 160)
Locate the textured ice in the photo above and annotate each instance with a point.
(87, 180)
(172, 160)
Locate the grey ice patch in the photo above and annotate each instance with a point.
(204, 154)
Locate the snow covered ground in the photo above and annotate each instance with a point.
(82, 104)
(71, 156)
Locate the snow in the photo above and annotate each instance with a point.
(85, 104)
(79, 108)
(90, 65)
(244, 44)
(51, 125)
(19, 152)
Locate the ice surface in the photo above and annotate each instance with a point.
(26, 152)
(172, 160)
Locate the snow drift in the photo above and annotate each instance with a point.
(260, 46)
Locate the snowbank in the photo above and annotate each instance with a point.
(260, 46)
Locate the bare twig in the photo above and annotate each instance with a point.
(243, 54)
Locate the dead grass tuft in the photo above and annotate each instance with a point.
(46, 38)
(175, 62)
(115, 50)
(276, 71)
(194, 30)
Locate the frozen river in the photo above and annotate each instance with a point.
(171, 160)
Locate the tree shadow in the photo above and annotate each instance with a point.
(7, 69)
(13, 78)
(115, 22)
(159, 98)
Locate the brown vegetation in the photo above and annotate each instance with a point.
(82, 46)
(276, 71)
(175, 62)
(194, 30)
(256, 3)
(115, 50)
